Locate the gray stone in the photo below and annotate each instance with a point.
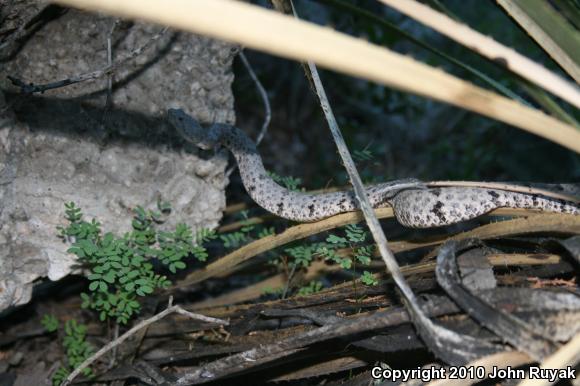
(71, 145)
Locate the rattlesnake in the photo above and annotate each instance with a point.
(414, 204)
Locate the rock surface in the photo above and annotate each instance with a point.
(108, 156)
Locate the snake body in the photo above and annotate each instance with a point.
(414, 204)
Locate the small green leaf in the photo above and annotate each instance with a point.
(49, 322)
(77, 251)
(109, 277)
(368, 278)
(334, 239)
(355, 233)
(346, 263)
(144, 290)
(86, 300)
(94, 276)
(179, 265)
(93, 286)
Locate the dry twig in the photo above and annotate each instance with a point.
(500, 360)
(261, 29)
(488, 47)
(31, 88)
(266, 353)
(567, 355)
(144, 323)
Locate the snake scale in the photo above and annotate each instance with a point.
(414, 204)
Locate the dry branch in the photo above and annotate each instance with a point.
(281, 35)
(536, 222)
(144, 323)
(547, 27)
(500, 360)
(488, 47)
(111, 68)
(567, 355)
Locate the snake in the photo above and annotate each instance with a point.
(414, 204)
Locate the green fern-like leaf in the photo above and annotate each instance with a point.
(120, 268)
(368, 278)
(355, 233)
(289, 182)
(362, 155)
(50, 323)
(265, 232)
(364, 254)
(334, 239)
(302, 255)
(310, 288)
(77, 350)
(205, 235)
(234, 239)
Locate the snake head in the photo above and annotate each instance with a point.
(190, 129)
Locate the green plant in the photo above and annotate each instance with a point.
(368, 278)
(272, 291)
(302, 254)
(291, 183)
(77, 350)
(355, 237)
(362, 155)
(236, 239)
(247, 233)
(265, 232)
(329, 252)
(50, 323)
(310, 288)
(123, 269)
(363, 254)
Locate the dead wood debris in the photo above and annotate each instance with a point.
(328, 334)
(339, 334)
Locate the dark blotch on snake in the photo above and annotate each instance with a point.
(437, 211)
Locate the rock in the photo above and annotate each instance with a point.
(70, 144)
